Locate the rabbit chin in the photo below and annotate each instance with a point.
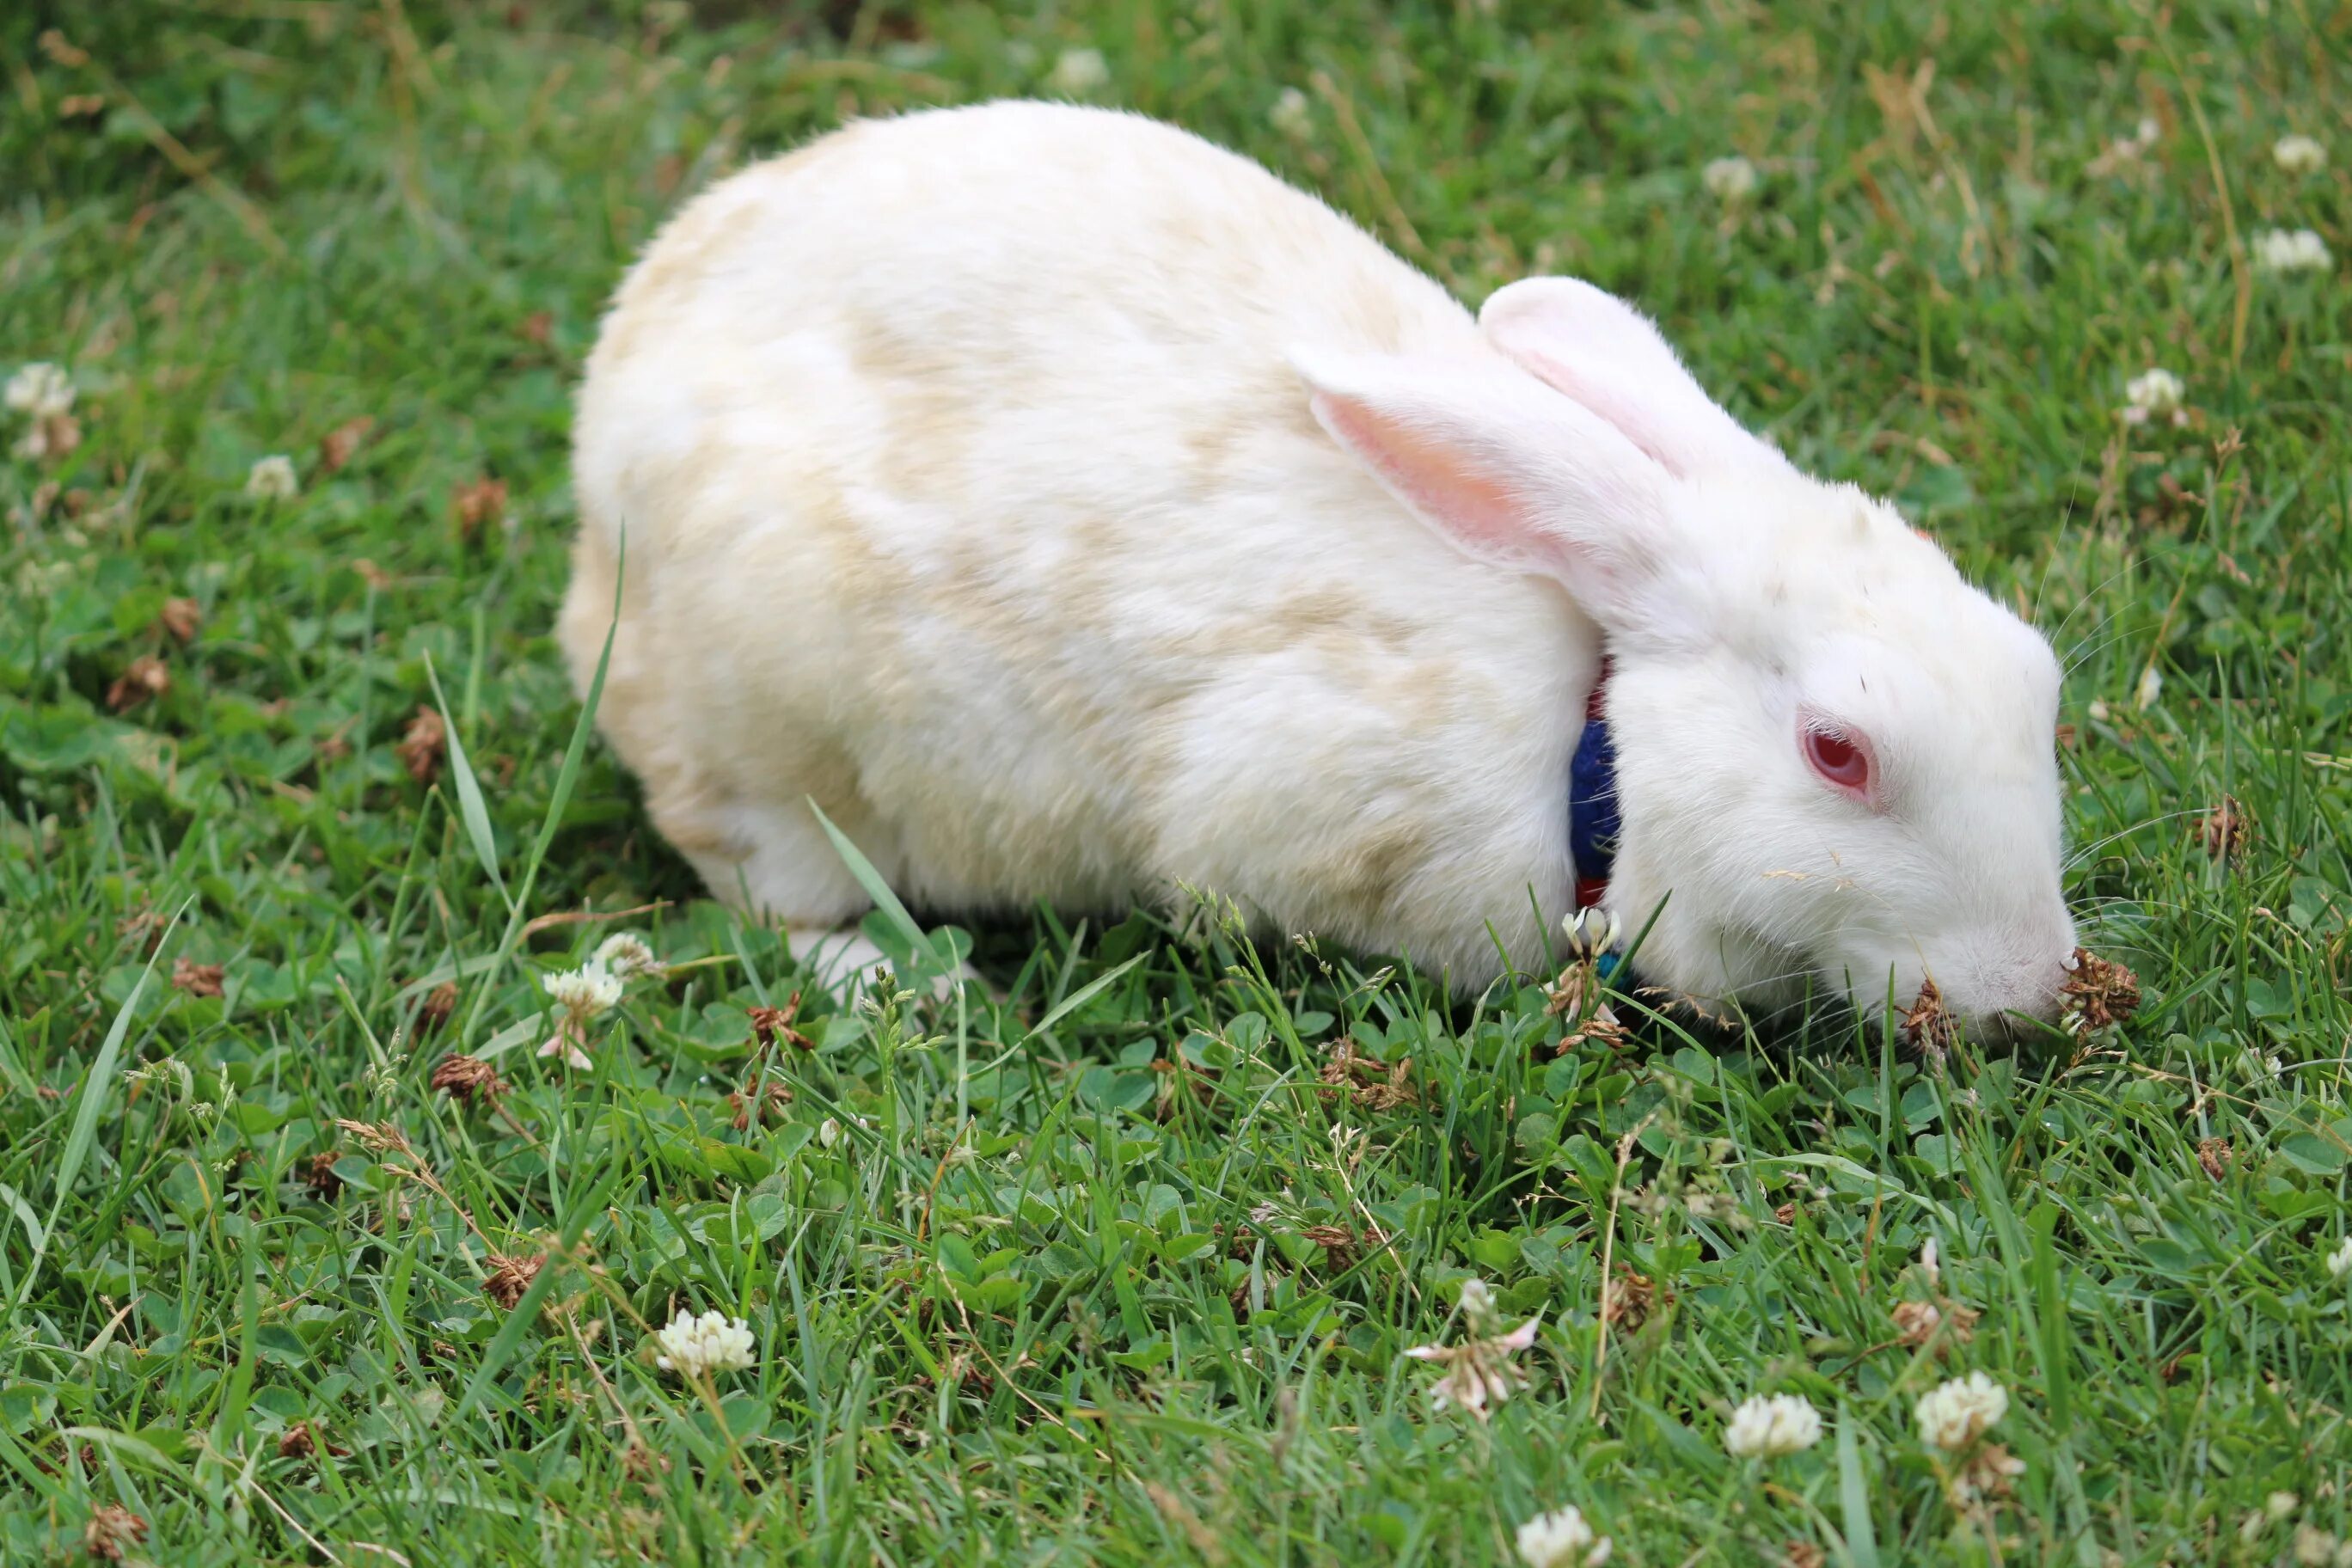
(1716, 970)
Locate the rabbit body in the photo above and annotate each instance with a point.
(1076, 513)
(969, 493)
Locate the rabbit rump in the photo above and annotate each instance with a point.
(1074, 512)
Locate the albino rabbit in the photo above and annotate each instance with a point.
(1073, 511)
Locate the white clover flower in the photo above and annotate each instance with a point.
(1728, 179)
(1961, 1411)
(693, 1346)
(1703, 1203)
(1590, 933)
(1478, 1371)
(42, 390)
(624, 952)
(1078, 72)
(2278, 250)
(2277, 1507)
(586, 992)
(1765, 1428)
(2339, 1262)
(2314, 1547)
(2125, 151)
(2150, 688)
(2152, 394)
(2299, 154)
(828, 1133)
(272, 478)
(1291, 114)
(1560, 1538)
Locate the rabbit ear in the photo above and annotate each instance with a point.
(1512, 471)
(1607, 355)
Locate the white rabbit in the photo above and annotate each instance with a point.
(1073, 511)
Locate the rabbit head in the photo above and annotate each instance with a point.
(1836, 766)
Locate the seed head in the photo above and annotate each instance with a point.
(477, 505)
(146, 677)
(510, 1276)
(318, 1175)
(338, 446)
(111, 1530)
(423, 746)
(181, 619)
(770, 1025)
(439, 1003)
(2098, 993)
(467, 1078)
(1627, 1301)
(1928, 1026)
(2224, 830)
(1919, 1322)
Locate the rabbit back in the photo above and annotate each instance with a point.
(967, 489)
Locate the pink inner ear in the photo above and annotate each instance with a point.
(1481, 512)
(1669, 449)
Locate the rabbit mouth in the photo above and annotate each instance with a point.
(1757, 979)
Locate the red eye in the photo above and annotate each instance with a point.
(1838, 761)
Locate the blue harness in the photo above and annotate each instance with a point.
(1592, 820)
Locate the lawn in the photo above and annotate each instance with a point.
(1121, 1268)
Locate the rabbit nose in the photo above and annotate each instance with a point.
(2002, 998)
(2041, 994)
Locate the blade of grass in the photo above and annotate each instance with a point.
(97, 1088)
(1080, 998)
(565, 778)
(1853, 1497)
(471, 809)
(526, 1310)
(876, 887)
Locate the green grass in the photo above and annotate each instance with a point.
(1091, 1325)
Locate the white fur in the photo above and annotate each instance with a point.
(979, 476)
